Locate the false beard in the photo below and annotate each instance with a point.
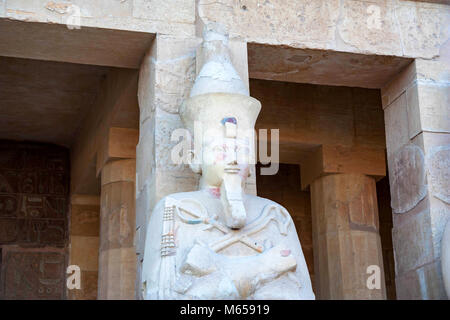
(231, 197)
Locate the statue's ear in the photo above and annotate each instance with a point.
(194, 164)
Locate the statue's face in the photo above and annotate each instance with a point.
(225, 165)
(222, 154)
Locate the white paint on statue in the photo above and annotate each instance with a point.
(218, 73)
(218, 242)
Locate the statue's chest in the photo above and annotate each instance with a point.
(198, 251)
(187, 222)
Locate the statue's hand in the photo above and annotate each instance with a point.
(246, 273)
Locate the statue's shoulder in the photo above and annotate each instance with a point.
(178, 196)
(261, 202)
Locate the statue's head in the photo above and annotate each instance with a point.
(221, 115)
(222, 125)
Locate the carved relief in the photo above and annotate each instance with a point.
(33, 220)
(408, 178)
(438, 168)
(33, 191)
(33, 275)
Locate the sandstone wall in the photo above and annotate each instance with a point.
(385, 27)
(416, 109)
(84, 244)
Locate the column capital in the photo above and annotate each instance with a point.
(119, 143)
(119, 170)
(329, 159)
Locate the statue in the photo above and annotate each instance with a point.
(218, 242)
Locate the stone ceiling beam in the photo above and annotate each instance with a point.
(55, 42)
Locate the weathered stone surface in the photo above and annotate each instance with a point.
(428, 108)
(119, 170)
(33, 274)
(117, 279)
(84, 252)
(398, 85)
(322, 67)
(396, 120)
(434, 71)
(84, 244)
(55, 42)
(33, 194)
(407, 177)
(163, 11)
(438, 172)
(166, 75)
(85, 220)
(375, 24)
(274, 19)
(401, 28)
(88, 290)
(117, 255)
(412, 242)
(423, 283)
(117, 218)
(118, 143)
(412, 110)
(423, 28)
(135, 15)
(388, 27)
(145, 161)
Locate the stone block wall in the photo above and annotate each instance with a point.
(84, 244)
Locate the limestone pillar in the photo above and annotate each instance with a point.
(165, 80)
(117, 256)
(346, 237)
(116, 164)
(416, 110)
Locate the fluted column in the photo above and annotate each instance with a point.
(117, 255)
(346, 237)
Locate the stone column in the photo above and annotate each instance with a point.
(116, 164)
(117, 256)
(416, 109)
(346, 237)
